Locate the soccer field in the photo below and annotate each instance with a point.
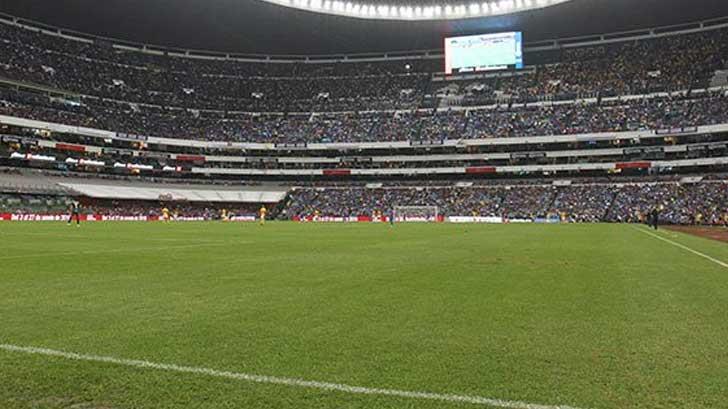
(211, 315)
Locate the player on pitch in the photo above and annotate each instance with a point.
(262, 213)
(165, 215)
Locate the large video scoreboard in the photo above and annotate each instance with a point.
(484, 52)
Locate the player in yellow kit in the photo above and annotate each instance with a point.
(262, 212)
(165, 215)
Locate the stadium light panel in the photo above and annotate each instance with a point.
(405, 11)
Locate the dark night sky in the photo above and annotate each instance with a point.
(250, 26)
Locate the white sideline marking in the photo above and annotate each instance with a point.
(478, 400)
(684, 247)
(121, 250)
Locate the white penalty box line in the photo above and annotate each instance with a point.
(327, 386)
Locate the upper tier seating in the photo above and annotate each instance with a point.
(662, 64)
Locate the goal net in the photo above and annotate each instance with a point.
(416, 213)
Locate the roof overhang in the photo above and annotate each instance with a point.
(399, 10)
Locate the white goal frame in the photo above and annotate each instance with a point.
(416, 213)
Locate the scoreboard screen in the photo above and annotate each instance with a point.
(484, 52)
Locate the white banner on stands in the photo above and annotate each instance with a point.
(414, 219)
(520, 221)
(335, 219)
(38, 217)
(243, 219)
(121, 218)
(474, 219)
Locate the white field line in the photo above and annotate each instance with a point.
(684, 247)
(477, 400)
(30, 255)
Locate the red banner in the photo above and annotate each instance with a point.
(70, 147)
(337, 172)
(190, 158)
(480, 169)
(633, 165)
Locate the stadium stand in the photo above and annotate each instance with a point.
(683, 200)
(689, 203)
(626, 123)
(39, 207)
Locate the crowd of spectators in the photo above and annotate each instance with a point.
(671, 63)
(101, 71)
(220, 65)
(26, 203)
(208, 211)
(687, 203)
(699, 203)
(652, 113)
(295, 102)
(58, 204)
(585, 203)
(97, 85)
(703, 203)
(664, 64)
(426, 126)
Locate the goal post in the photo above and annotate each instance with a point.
(416, 213)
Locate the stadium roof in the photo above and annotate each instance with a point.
(255, 26)
(418, 10)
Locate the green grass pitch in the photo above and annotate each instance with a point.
(590, 316)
